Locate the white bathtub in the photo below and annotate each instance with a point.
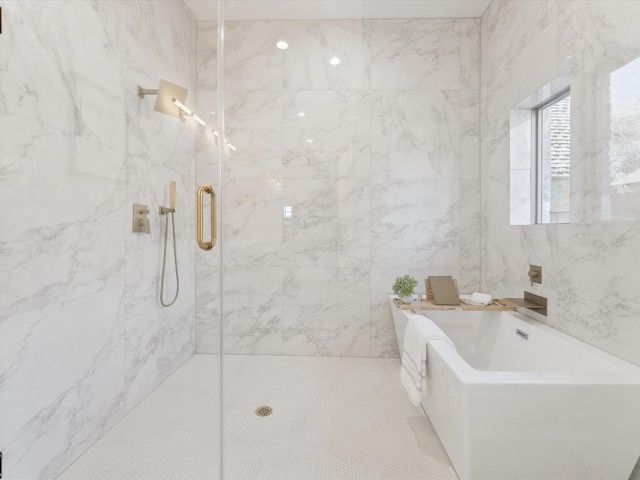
(546, 408)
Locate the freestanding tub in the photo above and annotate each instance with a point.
(520, 400)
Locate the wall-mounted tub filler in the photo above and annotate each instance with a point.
(166, 211)
(531, 302)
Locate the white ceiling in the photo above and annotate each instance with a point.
(205, 10)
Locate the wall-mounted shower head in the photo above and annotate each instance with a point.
(168, 95)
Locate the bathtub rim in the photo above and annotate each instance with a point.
(625, 373)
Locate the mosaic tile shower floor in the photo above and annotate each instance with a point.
(333, 418)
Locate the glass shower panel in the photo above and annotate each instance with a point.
(296, 279)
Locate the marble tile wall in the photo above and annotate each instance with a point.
(82, 335)
(590, 266)
(376, 159)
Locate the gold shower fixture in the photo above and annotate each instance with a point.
(170, 99)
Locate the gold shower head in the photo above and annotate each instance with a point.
(167, 95)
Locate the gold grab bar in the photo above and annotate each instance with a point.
(201, 191)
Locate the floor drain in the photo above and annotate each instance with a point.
(263, 411)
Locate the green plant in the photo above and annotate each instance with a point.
(404, 286)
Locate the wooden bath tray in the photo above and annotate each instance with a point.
(424, 305)
(498, 304)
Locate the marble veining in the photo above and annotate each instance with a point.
(253, 233)
(371, 164)
(589, 265)
(253, 120)
(415, 54)
(415, 134)
(313, 43)
(326, 134)
(46, 217)
(62, 399)
(83, 336)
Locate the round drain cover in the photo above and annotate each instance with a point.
(263, 411)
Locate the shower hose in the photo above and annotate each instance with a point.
(164, 260)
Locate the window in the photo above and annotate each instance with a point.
(552, 160)
(539, 150)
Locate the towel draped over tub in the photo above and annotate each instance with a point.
(413, 372)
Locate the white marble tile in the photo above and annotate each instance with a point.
(415, 134)
(253, 222)
(253, 310)
(161, 42)
(62, 381)
(596, 36)
(207, 55)
(354, 223)
(520, 139)
(252, 61)
(310, 235)
(207, 157)
(72, 120)
(597, 279)
(470, 225)
(157, 340)
(73, 83)
(469, 53)
(254, 125)
(415, 54)
(45, 174)
(312, 45)
(520, 212)
(513, 40)
(495, 139)
(207, 308)
(325, 312)
(416, 223)
(326, 134)
(469, 134)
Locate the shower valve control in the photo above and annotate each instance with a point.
(535, 274)
(140, 219)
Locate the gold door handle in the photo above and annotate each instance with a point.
(206, 189)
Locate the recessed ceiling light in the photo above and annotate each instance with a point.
(309, 140)
(334, 61)
(282, 45)
(301, 114)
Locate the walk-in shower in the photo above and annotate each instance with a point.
(322, 182)
(295, 172)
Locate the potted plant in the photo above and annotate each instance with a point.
(404, 287)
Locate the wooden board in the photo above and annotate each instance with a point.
(498, 304)
(444, 290)
(427, 287)
(424, 305)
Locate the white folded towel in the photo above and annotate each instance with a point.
(480, 299)
(413, 372)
